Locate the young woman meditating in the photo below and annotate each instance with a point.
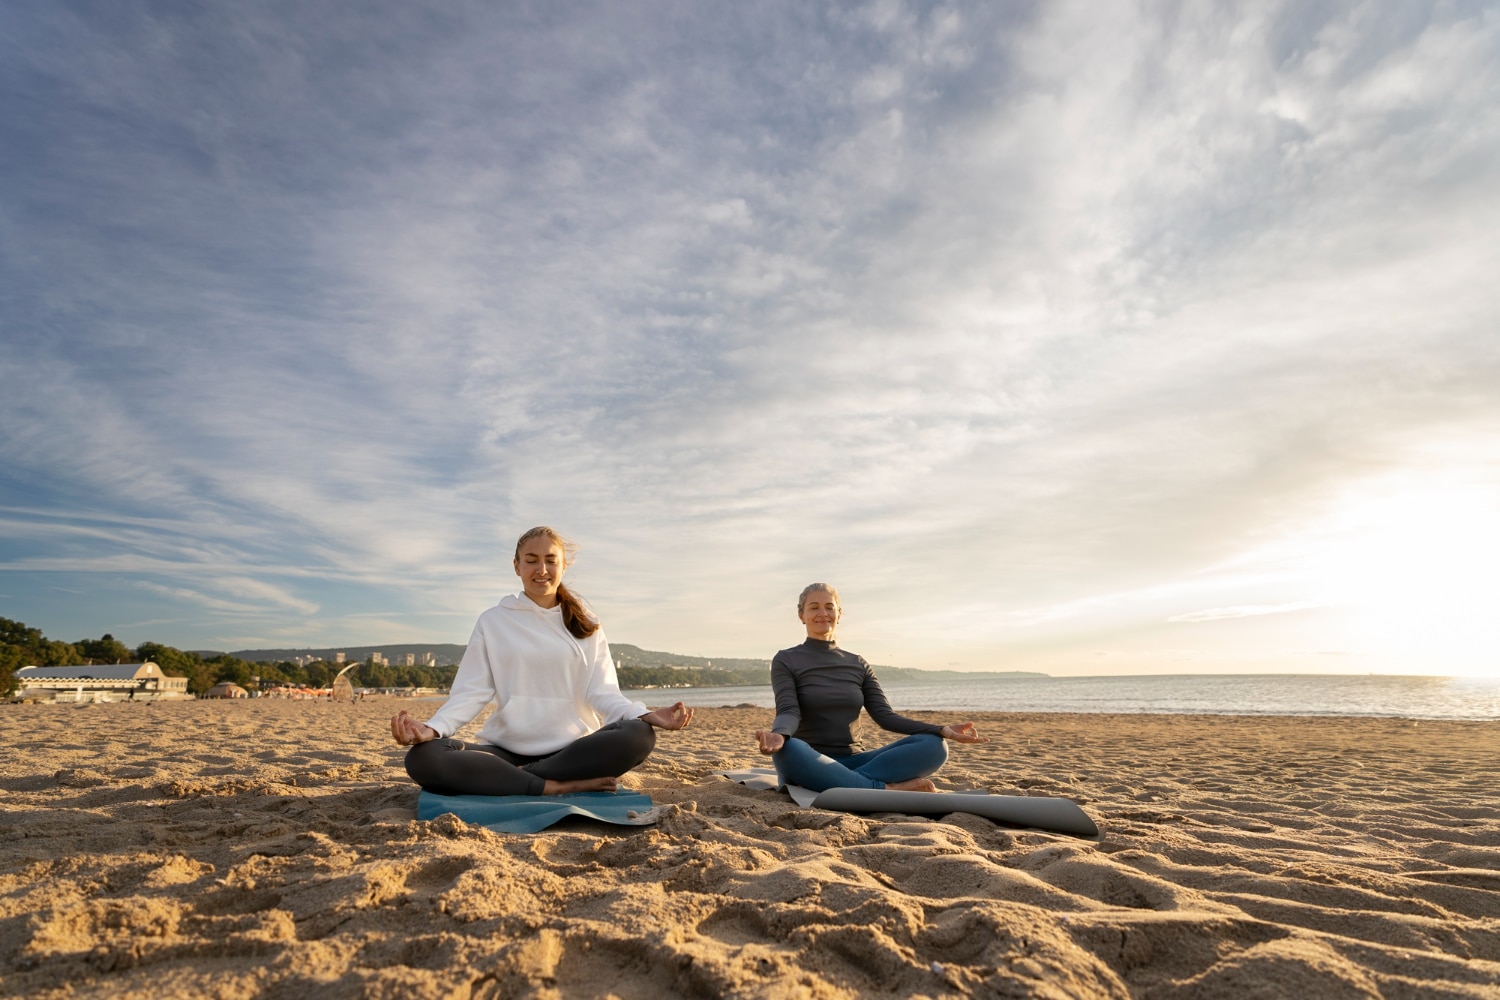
(561, 723)
(819, 691)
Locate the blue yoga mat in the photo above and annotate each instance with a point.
(531, 813)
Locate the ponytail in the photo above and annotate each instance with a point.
(575, 616)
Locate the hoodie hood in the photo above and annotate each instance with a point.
(520, 602)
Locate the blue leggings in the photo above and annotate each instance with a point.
(917, 756)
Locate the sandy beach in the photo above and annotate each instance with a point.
(262, 848)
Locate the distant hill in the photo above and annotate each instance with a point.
(627, 655)
(638, 667)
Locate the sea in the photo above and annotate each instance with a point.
(1377, 695)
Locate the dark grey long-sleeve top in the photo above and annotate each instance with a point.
(819, 691)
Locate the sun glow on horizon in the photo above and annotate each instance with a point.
(1418, 568)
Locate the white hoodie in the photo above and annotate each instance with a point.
(550, 688)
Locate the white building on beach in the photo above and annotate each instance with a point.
(99, 682)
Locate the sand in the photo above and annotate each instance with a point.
(260, 848)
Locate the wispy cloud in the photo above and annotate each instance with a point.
(1244, 611)
(232, 607)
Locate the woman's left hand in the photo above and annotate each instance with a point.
(675, 717)
(963, 732)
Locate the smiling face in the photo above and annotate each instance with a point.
(820, 613)
(540, 564)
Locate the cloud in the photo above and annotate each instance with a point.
(215, 603)
(979, 308)
(1244, 611)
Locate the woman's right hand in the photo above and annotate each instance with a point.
(408, 731)
(769, 742)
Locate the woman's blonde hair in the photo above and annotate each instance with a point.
(577, 619)
(814, 587)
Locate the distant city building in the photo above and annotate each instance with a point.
(429, 659)
(100, 682)
(411, 659)
(378, 659)
(338, 657)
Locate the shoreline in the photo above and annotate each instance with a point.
(251, 847)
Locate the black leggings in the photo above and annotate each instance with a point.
(451, 767)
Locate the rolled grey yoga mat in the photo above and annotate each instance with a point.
(1042, 813)
(1060, 815)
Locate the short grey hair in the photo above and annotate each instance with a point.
(813, 588)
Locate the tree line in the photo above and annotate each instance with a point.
(650, 677)
(21, 646)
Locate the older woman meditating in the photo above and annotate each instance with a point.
(820, 689)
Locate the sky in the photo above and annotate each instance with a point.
(1073, 337)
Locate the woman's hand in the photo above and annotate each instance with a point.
(963, 732)
(675, 717)
(769, 742)
(408, 731)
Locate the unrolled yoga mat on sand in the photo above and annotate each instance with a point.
(1036, 811)
(533, 813)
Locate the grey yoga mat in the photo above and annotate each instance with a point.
(1039, 812)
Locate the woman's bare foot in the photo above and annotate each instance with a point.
(583, 785)
(914, 785)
